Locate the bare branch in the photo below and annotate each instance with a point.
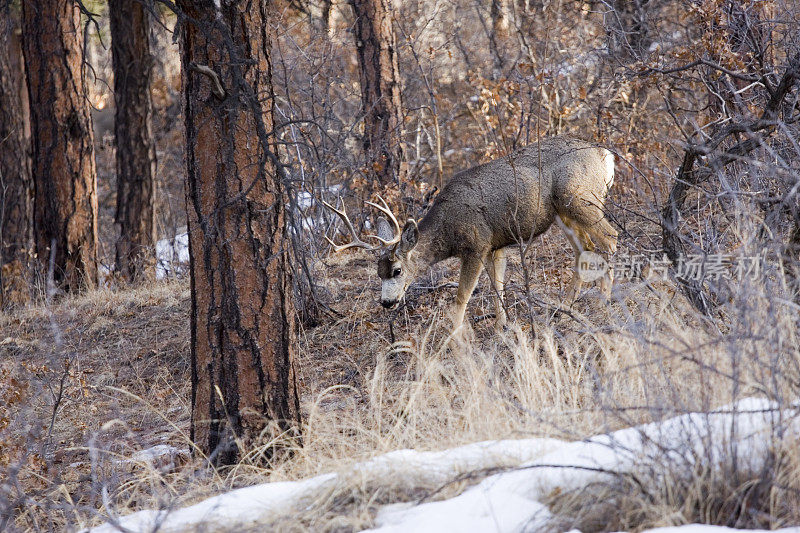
(216, 85)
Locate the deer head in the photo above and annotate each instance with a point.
(396, 265)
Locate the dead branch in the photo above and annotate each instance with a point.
(688, 177)
(216, 85)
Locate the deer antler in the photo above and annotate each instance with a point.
(397, 232)
(357, 242)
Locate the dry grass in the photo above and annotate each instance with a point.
(663, 494)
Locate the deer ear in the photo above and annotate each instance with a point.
(385, 231)
(409, 238)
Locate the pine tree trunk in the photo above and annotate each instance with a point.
(65, 187)
(242, 316)
(136, 152)
(16, 189)
(380, 90)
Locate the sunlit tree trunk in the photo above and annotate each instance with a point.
(380, 89)
(242, 315)
(65, 187)
(136, 152)
(16, 189)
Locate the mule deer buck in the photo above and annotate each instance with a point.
(487, 208)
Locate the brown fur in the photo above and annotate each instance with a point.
(504, 202)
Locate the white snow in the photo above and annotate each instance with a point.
(234, 507)
(157, 451)
(172, 255)
(305, 200)
(308, 222)
(506, 501)
(408, 467)
(148, 455)
(162, 457)
(702, 528)
(577, 464)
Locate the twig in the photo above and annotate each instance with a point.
(216, 85)
(688, 177)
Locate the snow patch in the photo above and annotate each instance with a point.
(159, 450)
(172, 256)
(577, 464)
(234, 507)
(507, 501)
(304, 200)
(702, 528)
(162, 457)
(409, 467)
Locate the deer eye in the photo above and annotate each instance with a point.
(396, 272)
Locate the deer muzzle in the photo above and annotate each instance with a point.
(390, 304)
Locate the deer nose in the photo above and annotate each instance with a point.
(389, 304)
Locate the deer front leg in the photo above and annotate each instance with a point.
(470, 270)
(496, 268)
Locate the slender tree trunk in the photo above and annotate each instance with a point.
(321, 15)
(136, 152)
(380, 90)
(327, 8)
(242, 316)
(65, 187)
(627, 28)
(16, 189)
(499, 14)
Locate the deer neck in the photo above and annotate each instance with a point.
(427, 252)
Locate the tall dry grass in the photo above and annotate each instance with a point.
(646, 356)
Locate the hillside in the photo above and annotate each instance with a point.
(97, 390)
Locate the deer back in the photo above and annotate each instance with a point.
(515, 198)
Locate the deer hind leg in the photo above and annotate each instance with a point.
(496, 268)
(605, 236)
(470, 270)
(586, 213)
(587, 221)
(580, 242)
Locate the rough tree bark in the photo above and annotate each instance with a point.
(376, 45)
(242, 316)
(136, 152)
(65, 187)
(16, 189)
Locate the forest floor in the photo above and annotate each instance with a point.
(97, 387)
